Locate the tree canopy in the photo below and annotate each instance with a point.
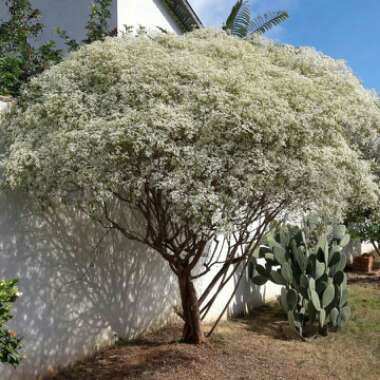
(210, 120)
(196, 134)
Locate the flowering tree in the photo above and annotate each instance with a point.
(172, 140)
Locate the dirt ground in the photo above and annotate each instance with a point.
(257, 348)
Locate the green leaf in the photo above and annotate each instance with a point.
(321, 286)
(261, 24)
(322, 317)
(338, 278)
(277, 277)
(300, 256)
(279, 254)
(334, 314)
(239, 19)
(312, 312)
(293, 323)
(259, 280)
(233, 14)
(287, 273)
(342, 263)
(346, 314)
(313, 295)
(334, 259)
(320, 269)
(326, 250)
(284, 237)
(328, 295)
(261, 270)
(335, 248)
(283, 300)
(343, 297)
(345, 240)
(339, 231)
(304, 281)
(269, 256)
(311, 283)
(291, 299)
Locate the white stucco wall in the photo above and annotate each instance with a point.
(148, 13)
(82, 288)
(247, 296)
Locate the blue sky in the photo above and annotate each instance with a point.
(344, 29)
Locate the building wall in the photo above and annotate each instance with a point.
(148, 13)
(247, 295)
(69, 15)
(81, 287)
(72, 16)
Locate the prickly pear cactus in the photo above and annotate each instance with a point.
(309, 262)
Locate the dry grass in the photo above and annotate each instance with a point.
(258, 348)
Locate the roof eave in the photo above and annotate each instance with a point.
(185, 15)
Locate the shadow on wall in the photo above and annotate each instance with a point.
(249, 296)
(81, 286)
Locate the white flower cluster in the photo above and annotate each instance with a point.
(213, 123)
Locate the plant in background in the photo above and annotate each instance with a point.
(20, 56)
(241, 22)
(364, 224)
(97, 25)
(309, 262)
(173, 151)
(9, 342)
(20, 59)
(11, 72)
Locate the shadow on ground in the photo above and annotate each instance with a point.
(247, 349)
(268, 320)
(153, 356)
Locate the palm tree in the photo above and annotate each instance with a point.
(241, 23)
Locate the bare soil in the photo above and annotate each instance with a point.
(261, 347)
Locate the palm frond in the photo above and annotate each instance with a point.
(261, 24)
(242, 21)
(231, 18)
(239, 19)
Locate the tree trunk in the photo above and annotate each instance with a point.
(192, 331)
(375, 247)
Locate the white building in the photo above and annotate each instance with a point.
(72, 15)
(82, 288)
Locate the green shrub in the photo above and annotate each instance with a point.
(22, 58)
(9, 341)
(10, 75)
(364, 225)
(310, 265)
